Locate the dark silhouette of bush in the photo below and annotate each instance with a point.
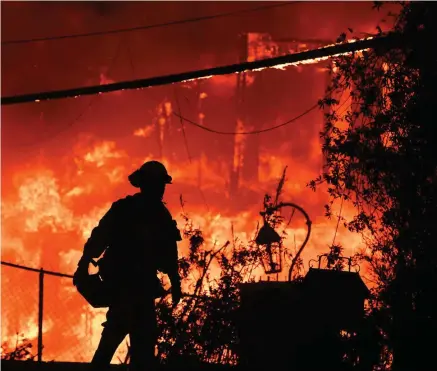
(21, 352)
(384, 161)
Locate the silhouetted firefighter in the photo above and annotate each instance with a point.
(138, 237)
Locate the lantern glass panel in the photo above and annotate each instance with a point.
(271, 257)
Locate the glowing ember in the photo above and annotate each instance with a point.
(144, 132)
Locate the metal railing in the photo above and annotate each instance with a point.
(347, 259)
(41, 272)
(41, 283)
(59, 333)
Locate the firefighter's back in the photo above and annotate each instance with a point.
(131, 260)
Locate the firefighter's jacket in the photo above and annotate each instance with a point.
(139, 238)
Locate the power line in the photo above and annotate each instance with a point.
(262, 130)
(148, 27)
(279, 62)
(249, 132)
(267, 129)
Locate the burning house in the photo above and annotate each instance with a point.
(254, 102)
(77, 153)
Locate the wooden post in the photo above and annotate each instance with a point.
(40, 313)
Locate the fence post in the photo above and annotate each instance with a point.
(40, 313)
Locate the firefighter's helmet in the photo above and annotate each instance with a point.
(150, 172)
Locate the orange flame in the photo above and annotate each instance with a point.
(48, 215)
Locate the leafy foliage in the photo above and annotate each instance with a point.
(334, 258)
(381, 155)
(202, 327)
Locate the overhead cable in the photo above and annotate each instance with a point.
(262, 130)
(248, 132)
(148, 27)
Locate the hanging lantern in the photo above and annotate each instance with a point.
(270, 245)
(269, 242)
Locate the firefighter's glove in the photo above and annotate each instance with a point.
(176, 293)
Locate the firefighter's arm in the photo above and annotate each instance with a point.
(172, 267)
(173, 273)
(169, 258)
(101, 234)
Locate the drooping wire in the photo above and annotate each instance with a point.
(304, 113)
(312, 108)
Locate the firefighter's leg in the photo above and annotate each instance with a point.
(143, 336)
(115, 330)
(108, 344)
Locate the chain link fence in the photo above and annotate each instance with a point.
(43, 308)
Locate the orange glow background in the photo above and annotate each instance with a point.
(64, 162)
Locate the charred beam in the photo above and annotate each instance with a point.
(282, 61)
